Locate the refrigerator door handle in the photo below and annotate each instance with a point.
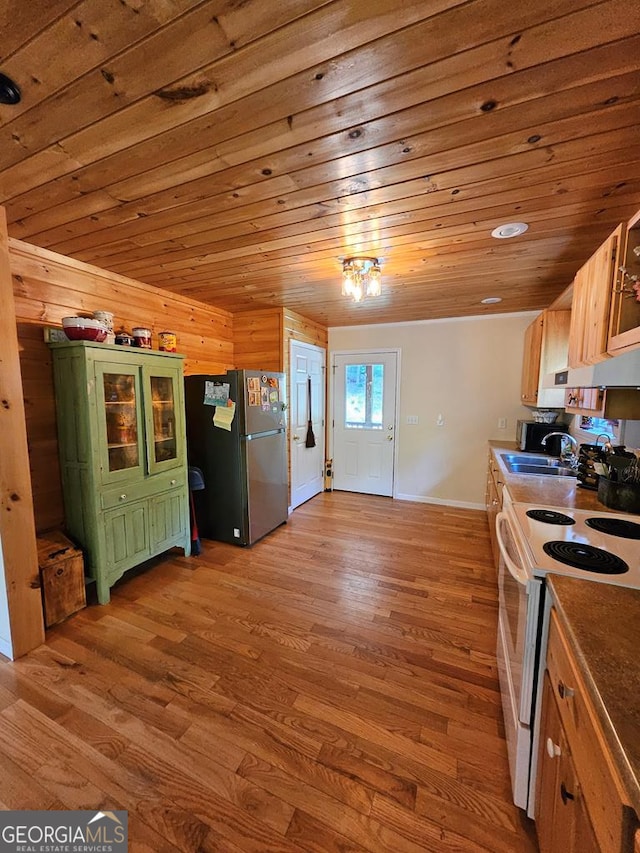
(254, 435)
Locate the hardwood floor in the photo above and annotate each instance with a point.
(333, 688)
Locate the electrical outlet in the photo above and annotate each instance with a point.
(54, 336)
(502, 423)
(236, 532)
(412, 419)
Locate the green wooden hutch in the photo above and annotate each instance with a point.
(121, 434)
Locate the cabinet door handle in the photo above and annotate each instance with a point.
(566, 795)
(553, 749)
(173, 482)
(565, 692)
(123, 497)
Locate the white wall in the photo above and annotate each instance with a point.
(469, 371)
(6, 647)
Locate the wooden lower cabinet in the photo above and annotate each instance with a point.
(562, 820)
(581, 803)
(493, 503)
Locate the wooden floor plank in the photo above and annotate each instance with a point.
(332, 688)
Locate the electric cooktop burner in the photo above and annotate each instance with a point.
(550, 516)
(615, 526)
(585, 557)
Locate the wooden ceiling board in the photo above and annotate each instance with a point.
(235, 152)
(415, 88)
(316, 229)
(425, 88)
(237, 206)
(451, 190)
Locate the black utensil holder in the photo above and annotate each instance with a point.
(624, 497)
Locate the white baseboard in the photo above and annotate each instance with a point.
(421, 499)
(6, 648)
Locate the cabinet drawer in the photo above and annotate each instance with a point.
(128, 492)
(603, 791)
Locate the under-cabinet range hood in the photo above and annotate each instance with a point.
(621, 371)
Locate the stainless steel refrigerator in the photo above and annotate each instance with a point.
(244, 462)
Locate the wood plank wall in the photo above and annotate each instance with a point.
(257, 339)
(262, 338)
(17, 533)
(47, 287)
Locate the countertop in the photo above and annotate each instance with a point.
(549, 491)
(602, 623)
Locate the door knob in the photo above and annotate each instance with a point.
(389, 438)
(296, 438)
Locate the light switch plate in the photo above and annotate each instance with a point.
(412, 419)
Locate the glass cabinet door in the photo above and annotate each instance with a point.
(163, 421)
(120, 393)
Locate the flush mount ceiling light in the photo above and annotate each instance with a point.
(509, 229)
(491, 300)
(9, 91)
(361, 278)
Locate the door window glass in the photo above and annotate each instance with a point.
(121, 420)
(164, 419)
(363, 385)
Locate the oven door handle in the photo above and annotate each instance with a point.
(517, 572)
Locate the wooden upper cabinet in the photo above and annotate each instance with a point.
(545, 351)
(619, 403)
(593, 291)
(624, 329)
(531, 362)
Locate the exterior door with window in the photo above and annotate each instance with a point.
(364, 423)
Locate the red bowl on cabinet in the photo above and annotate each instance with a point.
(84, 329)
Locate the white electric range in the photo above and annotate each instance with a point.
(587, 544)
(536, 540)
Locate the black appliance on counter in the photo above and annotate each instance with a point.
(588, 454)
(244, 462)
(529, 435)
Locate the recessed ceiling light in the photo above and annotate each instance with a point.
(509, 229)
(491, 300)
(9, 91)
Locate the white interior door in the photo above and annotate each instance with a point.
(364, 426)
(307, 463)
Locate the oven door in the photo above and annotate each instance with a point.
(519, 605)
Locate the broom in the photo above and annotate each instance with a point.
(311, 439)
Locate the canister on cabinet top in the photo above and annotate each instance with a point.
(167, 341)
(142, 337)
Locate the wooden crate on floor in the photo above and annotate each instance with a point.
(61, 577)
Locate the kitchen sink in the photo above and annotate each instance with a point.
(530, 459)
(553, 470)
(520, 463)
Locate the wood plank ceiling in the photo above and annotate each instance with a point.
(235, 150)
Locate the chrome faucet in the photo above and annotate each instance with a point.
(566, 450)
(607, 445)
